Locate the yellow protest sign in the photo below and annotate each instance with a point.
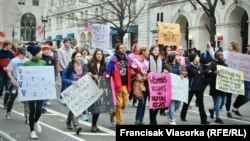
(230, 80)
(169, 33)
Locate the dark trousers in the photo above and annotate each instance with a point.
(13, 95)
(152, 115)
(94, 119)
(4, 85)
(242, 99)
(199, 97)
(228, 101)
(35, 112)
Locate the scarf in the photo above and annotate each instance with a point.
(155, 66)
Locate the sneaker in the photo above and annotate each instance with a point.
(84, 117)
(172, 123)
(211, 111)
(137, 122)
(8, 117)
(236, 112)
(48, 103)
(62, 101)
(33, 135)
(219, 120)
(112, 119)
(68, 124)
(229, 115)
(38, 127)
(78, 130)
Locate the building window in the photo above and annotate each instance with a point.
(36, 2)
(21, 2)
(159, 17)
(28, 27)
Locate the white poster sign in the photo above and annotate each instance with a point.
(179, 88)
(240, 62)
(36, 83)
(101, 36)
(80, 97)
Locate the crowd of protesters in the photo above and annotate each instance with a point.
(129, 72)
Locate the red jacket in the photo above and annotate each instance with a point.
(113, 69)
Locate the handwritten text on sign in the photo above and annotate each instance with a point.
(160, 90)
(36, 83)
(179, 88)
(79, 98)
(240, 62)
(169, 33)
(105, 103)
(230, 80)
(100, 36)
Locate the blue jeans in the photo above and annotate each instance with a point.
(173, 107)
(217, 103)
(141, 108)
(242, 99)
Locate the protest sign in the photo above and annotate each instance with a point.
(160, 90)
(80, 97)
(100, 36)
(105, 103)
(36, 83)
(179, 88)
(169, 33)
(240, 62)
(230, 80)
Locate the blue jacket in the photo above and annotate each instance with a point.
(68, 79)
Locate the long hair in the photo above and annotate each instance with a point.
(151, 50)
(93, 61)
(71, 63)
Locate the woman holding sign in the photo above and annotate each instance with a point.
(35, 106)
(140, 66)
(74, 72)
(155, 66)
(96, 68)
(173, 66)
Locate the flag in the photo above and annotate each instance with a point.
(40, 29)
(2, 34)
(87, 27)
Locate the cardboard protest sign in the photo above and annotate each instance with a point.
(100, 36)
(179, 88)
(36, 83)
(169, 33)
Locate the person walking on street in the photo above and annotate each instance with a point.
(119, 68)
(35, 106)
(74, 71)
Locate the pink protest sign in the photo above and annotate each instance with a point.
(240, 62)
(113, 89)
(160, 90)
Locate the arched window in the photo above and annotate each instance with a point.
(28, 27)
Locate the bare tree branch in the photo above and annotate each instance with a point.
(208, 29)
(192, 4)
(223, 2)
(203, 7)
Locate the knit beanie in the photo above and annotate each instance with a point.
(33, 49)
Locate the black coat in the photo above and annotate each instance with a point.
(196, 76)
(213, 68)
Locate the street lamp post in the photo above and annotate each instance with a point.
(219, 39)
(44, 21)
(190, 41)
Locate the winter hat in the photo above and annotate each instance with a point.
(21, 50)
(45, 47)
(33, 49)
(171, 54)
